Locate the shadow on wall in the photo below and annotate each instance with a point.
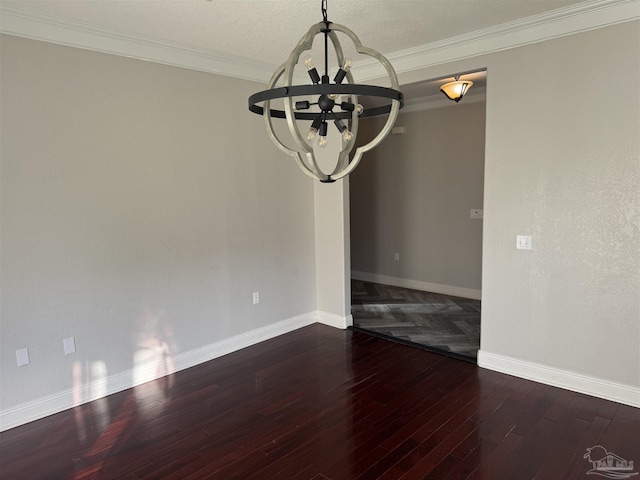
(362, 207)
(378, 193)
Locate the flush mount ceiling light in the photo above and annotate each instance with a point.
(456, 90)
(323, 102)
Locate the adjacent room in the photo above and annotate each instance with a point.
(176, 286)
(416, 221)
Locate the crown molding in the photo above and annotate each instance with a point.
(48, 28)
(581, 17)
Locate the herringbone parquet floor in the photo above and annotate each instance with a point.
(441, 322)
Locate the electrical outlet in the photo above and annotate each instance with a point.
(475, 213)
(396, 256)
(22, 357)
(523, 242)
(256, 298)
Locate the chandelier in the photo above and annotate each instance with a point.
(323, 102)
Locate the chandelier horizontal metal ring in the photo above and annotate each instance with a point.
(326, 89)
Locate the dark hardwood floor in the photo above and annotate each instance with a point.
(321, 403)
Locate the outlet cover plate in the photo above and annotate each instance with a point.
(523, 242)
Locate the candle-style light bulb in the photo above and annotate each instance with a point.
(344, 130)
(311, 70)
(313, 131)
(342, 72)
(308, 61)
(322, 140)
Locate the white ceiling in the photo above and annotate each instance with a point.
(249, 38)
(267, 30)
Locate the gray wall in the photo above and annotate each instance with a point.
(412, 195)
(130, 211)
(562, 164)
(141, 206)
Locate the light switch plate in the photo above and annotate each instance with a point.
(22, 357)
(69, 345)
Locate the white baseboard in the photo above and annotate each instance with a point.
(42, 407)
(333, 320)
(576, 382)
(418, 285)
(229, 345)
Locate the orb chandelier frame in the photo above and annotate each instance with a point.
(330, 97)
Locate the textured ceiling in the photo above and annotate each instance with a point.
(267, 30)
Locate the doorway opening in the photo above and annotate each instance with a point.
(416, 207)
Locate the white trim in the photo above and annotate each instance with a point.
(561, 22)
(229, 345)
(333, 320)
(576, 18)
(26, 23)
(418, 285)
(576, 382)
(57, 402)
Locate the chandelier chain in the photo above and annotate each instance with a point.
(324, 10)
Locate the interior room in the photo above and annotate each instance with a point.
(176, 293)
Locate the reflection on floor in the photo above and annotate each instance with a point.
(441, 322)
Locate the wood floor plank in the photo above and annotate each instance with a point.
(321, 403)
